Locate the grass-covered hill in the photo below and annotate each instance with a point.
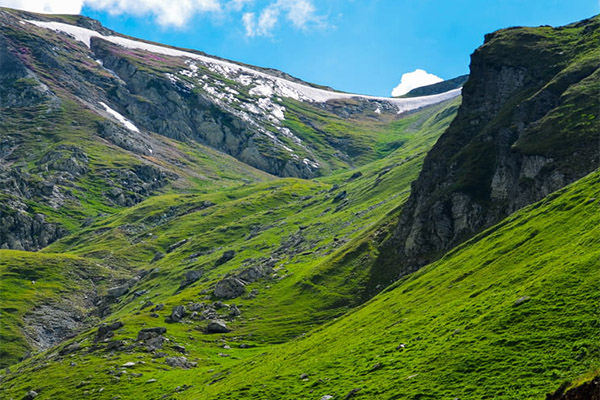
(202, 229)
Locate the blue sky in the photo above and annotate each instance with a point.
(360, 46)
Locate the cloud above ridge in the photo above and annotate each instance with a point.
(413, 80)
(256, 21)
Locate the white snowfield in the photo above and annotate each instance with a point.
(265, 84)
(124, 121)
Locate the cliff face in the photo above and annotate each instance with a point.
(528, 125)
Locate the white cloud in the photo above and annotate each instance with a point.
(249, 21)
(45, 6)
(301, 13)
(167, 13)
(415, 79)
(238, 5)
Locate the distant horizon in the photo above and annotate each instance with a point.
(370, 49)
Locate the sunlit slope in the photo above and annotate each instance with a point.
(510, 314)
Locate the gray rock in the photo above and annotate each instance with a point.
(177, 313)
(234, 311)
(522, 300)
(32, 394)
(148, 333)
(117, 291)
(190, 277)
(228, 255)
(229, 288)
(176, 245)
(180, 362)
(217, 326)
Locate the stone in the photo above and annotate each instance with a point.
(72, 348)
(148, 333)
(304, 376)
(155, 343)
(226, 256)
(178, 348)
(176, 245)
(190, 277)
(147, 304)
(522, 300)
(352, 393)
(179, 362)
(234, 311)
(229, 288)
(106, 331)
(355, 175)
(117, 291)
(217, 326)
(32, 394)
(339, 197)
(177, 313)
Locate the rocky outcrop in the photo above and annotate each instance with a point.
(528, 125)
(20, 230)
(586, 391)
(156, 104)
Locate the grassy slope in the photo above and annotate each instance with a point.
(463, 333)
(30, 279)
(286, 306)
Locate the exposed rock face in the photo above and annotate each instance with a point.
(587, 391)
(175, 111)
(229, 288)
(528, 125)
(23, 231)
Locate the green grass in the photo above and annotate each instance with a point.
(28, 280)
(464, 336)
(314, 283)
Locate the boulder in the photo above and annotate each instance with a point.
(148, 333)
(106, 331)
(118, 291)
(217, 326)
(190, 277)
(32, 394)
(179, 362)
(229, 288)
(228, 255)
(177, 313)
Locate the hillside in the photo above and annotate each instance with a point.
(176, 225)
(95, 122)
(528, 125)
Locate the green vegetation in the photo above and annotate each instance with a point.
(510, 314)
(498, 315)
(314, 283)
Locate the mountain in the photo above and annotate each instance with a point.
(176, 225)
(528, 125)
(439, 87)
(71, 91)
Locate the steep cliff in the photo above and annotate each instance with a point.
(528, 125)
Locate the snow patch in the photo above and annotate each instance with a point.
(124, 121)
(282, 87)
(310, 163)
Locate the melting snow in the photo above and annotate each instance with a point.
(124, 121)
(246, 75)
